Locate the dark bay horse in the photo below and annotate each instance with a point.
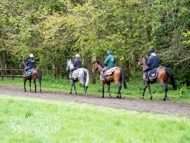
(162, 77)
(36, 73)
(117, 76)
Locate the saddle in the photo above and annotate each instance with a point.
(29, 72)
(75, 73)
(110, 71)
(152, 74)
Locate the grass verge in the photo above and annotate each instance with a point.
(34, 120)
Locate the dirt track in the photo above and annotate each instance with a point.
(145, 105)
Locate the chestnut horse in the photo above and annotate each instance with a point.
(162, 77)
(36, 73)
(118, 76)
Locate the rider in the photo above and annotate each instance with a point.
(77, 64)
(152, 62)
(109, 62)
(30, 63)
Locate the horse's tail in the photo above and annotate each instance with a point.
(87, 77)
(123, 77)
(169, 72)
(39, 75)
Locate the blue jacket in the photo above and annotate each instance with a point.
(77, 64)
(153, 61)
(31, 63)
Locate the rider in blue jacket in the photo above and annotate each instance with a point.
(152, 62)
(77, 64)
(30, 63)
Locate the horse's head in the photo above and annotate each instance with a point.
(22, 64)
(142, 61)
(69, 65)
(96, 65)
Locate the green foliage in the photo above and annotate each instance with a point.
(55, 30)
(183, 91)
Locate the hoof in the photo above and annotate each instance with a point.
(75, 93)
(102, 96)
(70, 93)
(119, 97)
(167, 98)
(164, 99)
(110, 96)
(150, 98)
(142, 97)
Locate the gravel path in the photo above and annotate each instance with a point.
(142, 105)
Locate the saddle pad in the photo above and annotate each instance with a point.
(29, 72)
(110, 71)
(75, 73)
(152, 74)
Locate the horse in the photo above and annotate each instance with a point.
(118, 76)
(82, 74)
(36, 73)
(162, 78)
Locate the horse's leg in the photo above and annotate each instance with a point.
(118, 87)
(39, 80)
(166, 89)
(71, 86)
(74, 88)
(144, 91)
(149, 91)
(102, 89)
(24, 80)
(35, 84)
(109, 89)
(30, 84)
(81, 81)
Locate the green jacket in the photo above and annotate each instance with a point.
(109, 61)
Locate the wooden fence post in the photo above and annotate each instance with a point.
(2, 74)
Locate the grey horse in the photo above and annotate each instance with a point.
(83, 74)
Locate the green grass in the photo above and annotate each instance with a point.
(134, 88)
(34, 120)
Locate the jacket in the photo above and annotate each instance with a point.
(109, 61)
(153, 61)
(76, 64)
(31, 63)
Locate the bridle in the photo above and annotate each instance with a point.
(141, 61)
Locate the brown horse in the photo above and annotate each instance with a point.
(36, 73)
(162, 77)
(117, 76)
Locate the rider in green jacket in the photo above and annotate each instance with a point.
(109, 63)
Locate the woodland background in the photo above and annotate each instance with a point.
(55, 30)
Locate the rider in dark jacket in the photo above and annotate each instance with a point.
(152, 62)
(30, 63)
(109, 62)
(77, 64)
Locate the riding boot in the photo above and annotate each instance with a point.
(25, 73)
(103, 78)
(146, 76)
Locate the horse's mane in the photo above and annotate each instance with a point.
(145, 59)
(100, 64)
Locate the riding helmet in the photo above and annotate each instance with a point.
(77, 55)
(109, 52)
(151, 50)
